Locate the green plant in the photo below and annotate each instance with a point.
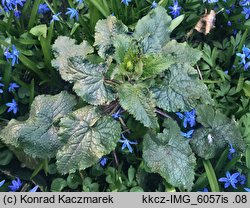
(146, 74)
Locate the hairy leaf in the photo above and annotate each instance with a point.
(88, 80)
(180, 90)
(37, 136)
(170, 155)
(105, 31)
(153, 30)
(154, 64)
(121, 44)
(88, 136)
(65, 48)
(138, 101)
(182, 52)
(217, 133)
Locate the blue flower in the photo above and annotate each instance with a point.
(103, 161)
(17, 13)
(80, 2)
(34, 189)
(246, 12)
(243, 57)
(20, 2)
(204, 190)
(247, 189)
(189, 117)
(126, 143)
(231, 152)
(126, 2)
(188, 134)
(73, 13)
(13, 86)
(117, 114)
(241, 179)
(1, 85)
(13, 55)
(229, 23)
(43, 8)
(2, 182)
(212, 1)
(12, 106)
(244, 2)
(55, 17)
(230, 180)
(246, 51)
(246, 66)
(153, 5)
(175, 9)
(12, 4)
(16, 184)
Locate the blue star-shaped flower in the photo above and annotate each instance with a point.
(126, 2)
(12, 106)
(212, 1)
(246, 11)
(175, 9)
(204, 190)
(247, 189)
(117, 114)
(12, 55)
(55, 17)
(231, 152)
(80, 2)
(16, 184)
(34, 189)
(243, 57)
(43, 8)
(230, 180)
(1, 85)
(127, 143)
(189, 117)
(246, 51)
(153, 5)
(241, 179)
(2, 182)
(244, 2)
(13, 86)
(103, 161)
(73, 13)
(188, 134)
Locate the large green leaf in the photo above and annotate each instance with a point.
(170, 155)
(154, 64)
(138, 101)
(64, 48)
(88, 136)
(182, 52)
(217, 133)
(180, 90)
(37, 136)
(105, 31)
(88, 80)
(153, 30)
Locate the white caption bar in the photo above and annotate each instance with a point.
(138, 200)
